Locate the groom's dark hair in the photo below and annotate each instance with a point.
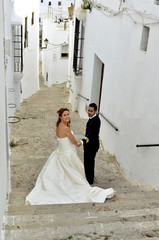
(93, 105)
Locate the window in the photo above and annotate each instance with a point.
(144, 38)
(47, 76)
(41, 1)
(32, 19)
(26, 33)
(49, 3)
(156, 2)
(59, 3)
(78, 47)
(18, 47)
(64, 55)
(64, 51)
(40, 38)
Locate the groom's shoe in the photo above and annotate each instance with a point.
(90, 182)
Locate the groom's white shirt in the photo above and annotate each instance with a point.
(93, 116)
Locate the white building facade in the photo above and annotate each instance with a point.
(120, 73)
(3, 124)
(19, 64)
(55, 28)
(28, 12)
(55, 56)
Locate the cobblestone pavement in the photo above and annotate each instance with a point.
(132, 214)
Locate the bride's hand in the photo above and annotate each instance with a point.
(79, 144)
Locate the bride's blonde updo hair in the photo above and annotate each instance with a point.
(60, 112)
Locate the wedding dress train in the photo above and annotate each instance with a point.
(62, 180)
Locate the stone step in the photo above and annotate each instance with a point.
(123, 185)
(19, 198)
(110, 204)
(68, 219)
(133, 214)
(130, 236)
(22, 192)
(61, 232)
(124, 191)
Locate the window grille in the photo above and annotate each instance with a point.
(78, 47)
(156, 2)
(18, 47)
(32, 19)
(40, 38)
(26, 33)
(47, 77)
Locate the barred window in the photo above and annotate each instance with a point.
(32, 19)
(78, 47)
(18, 47)
(26, 33)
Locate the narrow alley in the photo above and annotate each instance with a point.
(132, 214)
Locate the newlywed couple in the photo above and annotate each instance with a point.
(64, 179)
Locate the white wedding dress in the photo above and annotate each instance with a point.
(62, 180)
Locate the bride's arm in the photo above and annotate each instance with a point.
(71, 136)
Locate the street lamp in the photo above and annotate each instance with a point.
(46, 41)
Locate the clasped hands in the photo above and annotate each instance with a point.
(79, 144)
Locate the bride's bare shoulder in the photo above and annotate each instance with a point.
(62, 128)
(61, 131)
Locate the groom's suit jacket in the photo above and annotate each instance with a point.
(91, 140)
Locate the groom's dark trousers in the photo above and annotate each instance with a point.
(91, 146)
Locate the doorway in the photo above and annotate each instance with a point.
(97, 83)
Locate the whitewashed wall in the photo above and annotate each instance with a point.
(73, 81)
(3, 127)
(13, 12)
(71, 43)
(130, 85)
(10, 84)
(52, 62)
(30, 80)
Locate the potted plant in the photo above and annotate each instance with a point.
(86, 4)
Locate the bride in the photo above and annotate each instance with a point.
(62, 179)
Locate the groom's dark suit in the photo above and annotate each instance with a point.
(91, 146)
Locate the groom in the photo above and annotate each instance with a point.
(91, 142)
